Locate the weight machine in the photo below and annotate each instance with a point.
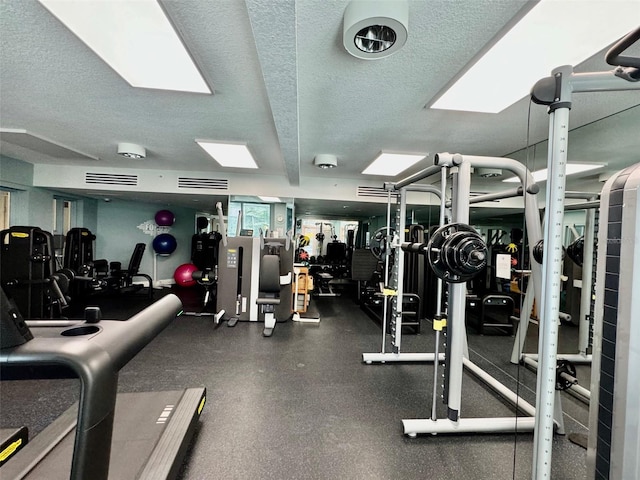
(28, 272)
(608, 455)
(204, 255)
(320, 238)
(241, 279)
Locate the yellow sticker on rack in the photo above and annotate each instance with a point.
(389, 292)
(439, 324)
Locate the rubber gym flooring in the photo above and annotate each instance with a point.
(303, 405)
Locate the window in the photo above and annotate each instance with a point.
(62, 215)
(4, 209)
(5, 204)
(255, 216)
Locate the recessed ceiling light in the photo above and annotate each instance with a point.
(229, 154)
(375, 29)
(131, 150)
(135, 38)
(572, 168)
(489, 172)
(270, 199)
(325, 161)
(551, 34)
(391, 164)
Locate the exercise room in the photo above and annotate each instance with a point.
(311, 239)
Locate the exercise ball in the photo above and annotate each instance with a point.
(164, 244)
(165, 218)
(184, 275)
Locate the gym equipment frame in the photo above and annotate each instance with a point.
(556, 92)
(457, 354)
(586, 293)
(613, 427)
(142, 448)
(396, 281)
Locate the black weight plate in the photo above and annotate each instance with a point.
(576, 251)
(379, 242)
(445, 255)
(564, 366)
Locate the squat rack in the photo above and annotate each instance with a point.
(396, 283)
(457, 357)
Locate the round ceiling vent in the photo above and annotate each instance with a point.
(375, 29)
(325, 161)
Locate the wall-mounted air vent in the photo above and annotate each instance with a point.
(207, 183)
(377, 192)
(111, 179)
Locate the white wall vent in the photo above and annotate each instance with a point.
(377, 192)
(206, 183)
(111, 179)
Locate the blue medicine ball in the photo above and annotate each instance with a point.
(164, 244)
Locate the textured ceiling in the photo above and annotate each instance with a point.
(285, 85)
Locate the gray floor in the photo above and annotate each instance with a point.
(302, 405)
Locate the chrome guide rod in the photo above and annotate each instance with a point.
(439, 312)
(385, 309)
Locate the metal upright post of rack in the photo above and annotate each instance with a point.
(397, 277)
(439, 320)
(556, 92)
(385, 306)
(396, 288)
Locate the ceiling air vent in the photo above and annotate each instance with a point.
(377, 192)
(207, 183)
(111, 179)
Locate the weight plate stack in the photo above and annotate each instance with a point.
(456, 253)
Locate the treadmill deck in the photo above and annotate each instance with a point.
(151, 433)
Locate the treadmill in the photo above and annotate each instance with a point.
(107, 435)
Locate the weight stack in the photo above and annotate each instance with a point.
(615, 391)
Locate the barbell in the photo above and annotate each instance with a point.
(456, 253)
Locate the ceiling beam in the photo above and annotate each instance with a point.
(274, 31)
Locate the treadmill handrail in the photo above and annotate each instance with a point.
(96, 358)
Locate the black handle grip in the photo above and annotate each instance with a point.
(613, 56)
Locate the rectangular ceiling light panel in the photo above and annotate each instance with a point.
(135, 38)
(552, 34)
(270, 199)
(229, 154)
(391, 164)
(572, 168)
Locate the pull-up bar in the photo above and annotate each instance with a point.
(489, 197)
